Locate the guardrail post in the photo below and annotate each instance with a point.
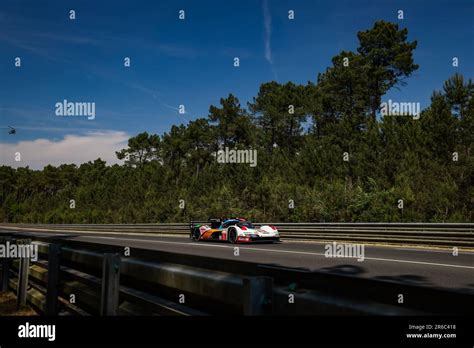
(53, 279)
(5, 273)
(110, 284)
(258, 295)
(23, 272)
(5, 267)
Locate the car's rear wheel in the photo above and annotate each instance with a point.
(196, 234)
(233, 236)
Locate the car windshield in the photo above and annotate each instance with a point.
(228, 223)
(246, 224)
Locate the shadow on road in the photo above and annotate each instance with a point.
(344, 269)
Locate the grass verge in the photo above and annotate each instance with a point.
(8, 306)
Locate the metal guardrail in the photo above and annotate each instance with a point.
(439, 234)
(102, 281)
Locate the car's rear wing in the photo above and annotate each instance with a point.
(213, 222)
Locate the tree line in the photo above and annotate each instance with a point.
(324, 154)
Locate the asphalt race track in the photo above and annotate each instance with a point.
(417, 266)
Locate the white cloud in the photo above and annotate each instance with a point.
(267, 23)
(71, 149)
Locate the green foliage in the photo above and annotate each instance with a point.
(387, 58)
(141, 149)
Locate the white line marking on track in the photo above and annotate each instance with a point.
(289, 252)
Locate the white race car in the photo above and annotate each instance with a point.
(235, 231)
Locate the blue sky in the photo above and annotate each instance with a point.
(189, 61)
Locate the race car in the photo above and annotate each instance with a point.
(234, 230)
